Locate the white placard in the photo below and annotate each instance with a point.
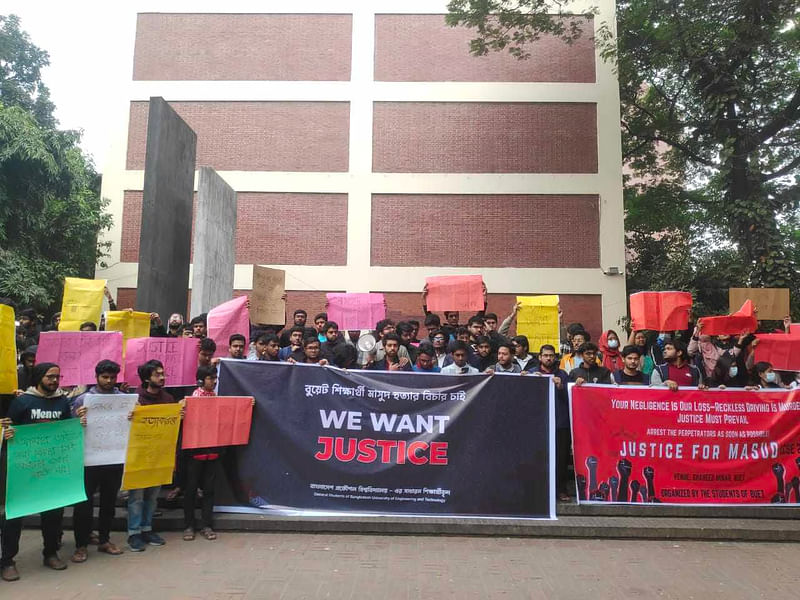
(105, 440)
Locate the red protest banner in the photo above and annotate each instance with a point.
(213, 421)
(455, 293)
(660, 311)
(638, 444)
(742, 321)
(782, 351)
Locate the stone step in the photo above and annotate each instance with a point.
(567, 526)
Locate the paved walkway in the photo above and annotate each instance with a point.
(282, 566)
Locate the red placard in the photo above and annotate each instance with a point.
(455, 293)
(213, 421)
(782, 351)
(640, 444)
(742, 321)
(660, 311)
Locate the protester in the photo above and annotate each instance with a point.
(206, 349)
(87, 326)
(27, 360)
(589, 371)
(383, 328)
(522, 356)
(199, 326)
(201, 470)
(345, 356)
(676, 371)
(432, 325)
(319, 325)
(391, 361)
(459, 366)
(29, 322)
(174, 325)
(414, 331)
(406, 332)
(709, 349)
(333, 339)
(426, 359)
(236, 345)
(549, 367)
(650, 355)
(142, 502)
(43, 402)
(439, 341)
(103, 478)
(505, 361)
(630, 374)
(299, 318)
(294, 344)
(610, 350)
(267, 347)
(483, 357)
(574, 359)
(311, 349)
(764, 376)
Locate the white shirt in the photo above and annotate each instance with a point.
(454, 369)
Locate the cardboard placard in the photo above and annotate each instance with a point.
(267, 305)
(770, 303)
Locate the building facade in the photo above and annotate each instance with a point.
(369, 150)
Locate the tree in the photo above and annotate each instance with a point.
(710, 93)
(50, 207)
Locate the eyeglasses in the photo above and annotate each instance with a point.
(52, 377)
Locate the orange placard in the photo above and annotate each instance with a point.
(213, 421)
(660, 311)
(455, 293)
(742, 321)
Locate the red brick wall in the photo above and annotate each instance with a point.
(486, 231)
(242, 47)
(271, 228)
(256, 136)
(484, 137)
(583, 308)
(423, 48)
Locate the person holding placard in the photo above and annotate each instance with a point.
(106, 479)
(142, 502)
(43, 402)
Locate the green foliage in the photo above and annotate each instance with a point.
(50, 206)
(710, 105)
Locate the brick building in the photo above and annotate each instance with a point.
(370, 150)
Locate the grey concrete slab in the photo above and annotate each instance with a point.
(165, 240)
(214, 245)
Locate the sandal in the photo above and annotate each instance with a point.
(109, 548)
(208, 533)
(173, 494)
(188, 534)
(80, 555)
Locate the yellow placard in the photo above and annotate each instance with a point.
(8, 351)
(150, 459)
(83, 301)
(132, 324)
(538, 321)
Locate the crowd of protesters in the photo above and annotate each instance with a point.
(481, 345)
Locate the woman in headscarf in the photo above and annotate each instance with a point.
(610, 351)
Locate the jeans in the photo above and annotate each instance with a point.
(199, 474)
(141, 506)
(12, 530)
(108, 479)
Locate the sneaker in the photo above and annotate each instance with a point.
(9, 573)
(136, 543)
(54, 563)
(152, 538)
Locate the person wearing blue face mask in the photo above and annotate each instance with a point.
(764, 376)
(729, 371)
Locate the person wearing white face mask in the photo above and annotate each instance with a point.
(764, 376)
(610, 351)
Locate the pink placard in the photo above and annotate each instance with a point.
(214, 421)
(179, 356)
(356, 311)
(226, 319)
(78, 352)
(455, 293)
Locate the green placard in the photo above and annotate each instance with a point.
(45, 467)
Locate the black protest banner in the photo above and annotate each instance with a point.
(324, 439)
